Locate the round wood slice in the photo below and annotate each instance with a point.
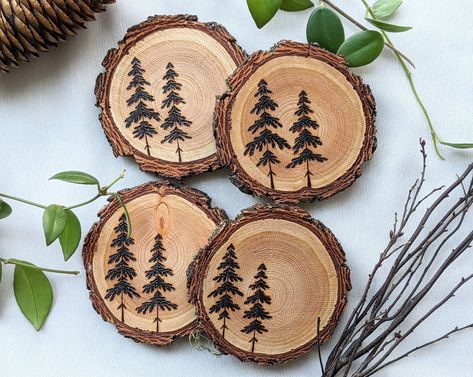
(295, 125)
(264, 282)
(157, 96)
(140, 283)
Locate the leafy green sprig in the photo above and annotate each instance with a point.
(31, 286)
(325, 28)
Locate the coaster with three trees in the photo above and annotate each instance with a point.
(157, 95)
(295, 124)
(139, 282)
(270, 284)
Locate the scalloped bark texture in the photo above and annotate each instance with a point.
(140, 285)
(263, 281)
(295, 124)
(157, 94)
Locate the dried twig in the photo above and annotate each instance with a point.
(374, 329)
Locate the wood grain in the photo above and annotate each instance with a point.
(169, 226)
(295, 124)
(183, 62)
(295, 262)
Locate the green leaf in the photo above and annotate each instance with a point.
(457, 145)
(387, 26)
(325, 28)
(296, 5)
(54, 222)
(385, 8)
(5, 209)
(33, 293)
(77, 177)
(362, 48)
(263, 10)
(70, 237)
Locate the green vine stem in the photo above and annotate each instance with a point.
(102, 191)
(17, 262)
(435, 138)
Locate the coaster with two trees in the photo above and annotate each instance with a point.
(157, 95)
(138, 281)
(270, 285)
(295, 124)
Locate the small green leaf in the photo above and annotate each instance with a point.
(263, 10)
(5, 209)
(362, 48)
(387, 26)
(385, 8)
(70, 237)
(77, 177)
(296, 5)
(54, 222)
(457, 145)
(33, 293)
(325, 28)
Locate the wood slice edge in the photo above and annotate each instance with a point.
(197, 197)
(120, 146)
(222, 124)
(196, 276)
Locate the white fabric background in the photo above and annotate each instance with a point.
(49, 124)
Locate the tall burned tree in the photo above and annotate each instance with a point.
(257, 312)
(121, 272)
(305, 142)
(228, 277)
(142, 114)
(157, 284)
(266, 139)
(175, 119)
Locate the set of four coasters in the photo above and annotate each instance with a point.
(292, 124)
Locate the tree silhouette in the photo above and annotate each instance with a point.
(227, 277)
(121, 272)
(266, 139)
(305, 141)
(157, 284)
(142, 114)
(175, 119)
(257, 312)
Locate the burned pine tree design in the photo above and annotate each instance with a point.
(227, 279)
(142, 114)
(122, 272)
(257, 313)
(305, 141)
(175, 120)
(266, 139)
(157, 285)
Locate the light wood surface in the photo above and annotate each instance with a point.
(159, 90)
(295, 125)
(266, 279)
(169, 226)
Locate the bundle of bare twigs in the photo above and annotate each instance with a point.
(28, 27)
(384, 317)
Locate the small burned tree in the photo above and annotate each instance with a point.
(306, 141)
(142, 114)
(257, 312)
(228, 277)
(266, 139)
(175, 119)
(157, 284)
(122, 272)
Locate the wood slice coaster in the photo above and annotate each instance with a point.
(157, 96)
(296, 124)
(140, 283)
(264, 281)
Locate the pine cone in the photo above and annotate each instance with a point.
(28, 27)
